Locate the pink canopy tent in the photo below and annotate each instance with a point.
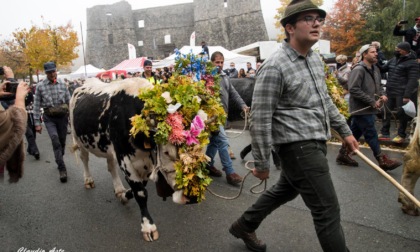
(131, 65)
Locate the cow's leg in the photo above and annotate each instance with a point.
(408, 181)
(121, 193)
(84, 156)
(148, 228)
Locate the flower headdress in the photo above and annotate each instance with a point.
(186, 110)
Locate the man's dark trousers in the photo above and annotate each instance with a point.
(305, 171)
(57, 130)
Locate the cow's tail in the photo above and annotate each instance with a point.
(73, 149)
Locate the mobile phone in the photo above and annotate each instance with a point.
(11, 87)
(404, 22)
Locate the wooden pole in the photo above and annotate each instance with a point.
(382, 172)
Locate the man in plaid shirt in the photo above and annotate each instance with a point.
(50, 93)
(292, 111)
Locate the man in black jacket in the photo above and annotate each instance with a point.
(403, 72)
(411, 36)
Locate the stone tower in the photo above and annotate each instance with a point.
(156, 32)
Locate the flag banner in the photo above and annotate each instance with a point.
(131, 51)
(192, 39)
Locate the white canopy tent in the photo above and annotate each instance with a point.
(239, 60)
(91, 71)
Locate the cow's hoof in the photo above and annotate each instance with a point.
(90, 184)
(124, 196)
(153, 236)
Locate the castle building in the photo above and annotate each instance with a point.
(156, 32)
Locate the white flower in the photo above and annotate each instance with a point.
(173, 108)
(167, 96)
(202, 115)
(197, 98)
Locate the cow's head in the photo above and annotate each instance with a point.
(164, 174)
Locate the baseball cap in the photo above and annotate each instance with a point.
(50, 67)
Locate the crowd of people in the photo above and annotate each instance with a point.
(289, 84)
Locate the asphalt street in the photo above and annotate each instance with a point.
(41, 214)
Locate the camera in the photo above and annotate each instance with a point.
(1, 71)
(11, 87)
(404, 22)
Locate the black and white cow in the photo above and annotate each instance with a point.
(100, 119)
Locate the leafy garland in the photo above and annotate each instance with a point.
(186, 109)
(336, 92)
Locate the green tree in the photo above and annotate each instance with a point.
(381, 17)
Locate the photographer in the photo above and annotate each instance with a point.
(411, 35)
(12, 128)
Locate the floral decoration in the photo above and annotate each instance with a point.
(184, 112)
(336, 92)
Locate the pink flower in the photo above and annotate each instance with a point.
(198, 123)
(175, 121)
(177, 136)
(190, 137)
(197, 126)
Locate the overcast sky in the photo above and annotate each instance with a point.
(19, 14)
(24, 13)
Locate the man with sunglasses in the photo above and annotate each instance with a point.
(292, 111)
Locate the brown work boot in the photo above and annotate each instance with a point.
(344, 158)
(213, 171)
(386, 163)
(250, 239)
(233, 179)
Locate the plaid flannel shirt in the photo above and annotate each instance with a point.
(291, 103)
(49, 95)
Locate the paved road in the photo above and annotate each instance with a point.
(41, 213)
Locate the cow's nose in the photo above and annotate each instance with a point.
(192, 200)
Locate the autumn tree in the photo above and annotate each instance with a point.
(279, 16)
(29, 49)
(344, 26)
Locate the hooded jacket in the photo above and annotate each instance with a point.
(403, 73)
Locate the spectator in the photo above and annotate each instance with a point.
(249, 68)
(258, 66)
(205, 48)
(342, 73)
(381, 57)
(411, 36)
(403, 73)
(232, 72)
(12, 129)
(241, 73)
(251, 74)
(30, 133)
(148, 73)
(53, 96)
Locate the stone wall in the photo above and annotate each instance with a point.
(174, 20)
(109, 29)
(239, 24)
